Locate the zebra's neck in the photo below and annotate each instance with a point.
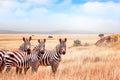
(58, 55)
(22, 49)
(57, 48)
(58, 51)
(37, 53)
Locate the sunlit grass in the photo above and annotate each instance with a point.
(79, 63)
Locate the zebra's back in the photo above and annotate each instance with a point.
(15, 58)
(19, 59)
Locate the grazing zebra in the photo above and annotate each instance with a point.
(53, 57)
(16, 59)
(23, 48)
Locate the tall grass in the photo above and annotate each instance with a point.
(89, 64)
(79, 63)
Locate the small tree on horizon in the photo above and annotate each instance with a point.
(77, 42)
(101, 35)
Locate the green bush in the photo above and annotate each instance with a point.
(50, 36)
(101, 35)
(77, 42)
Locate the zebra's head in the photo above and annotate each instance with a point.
(61, 48)
(26, 45)
(41, 46)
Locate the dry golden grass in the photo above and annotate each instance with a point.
(79, 63)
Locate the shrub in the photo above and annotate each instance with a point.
(50, 36)
(77, 42)
(101, 35)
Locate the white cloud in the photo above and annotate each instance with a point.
(40, 10)
(96, 16)
(9, 5)
(99, 9)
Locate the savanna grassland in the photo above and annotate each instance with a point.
(79, 62)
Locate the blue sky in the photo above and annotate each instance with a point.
(48, 15)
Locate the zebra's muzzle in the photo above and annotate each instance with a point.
(63, 53)
(42, 52)
(28, 51)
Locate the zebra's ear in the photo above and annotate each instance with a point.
(60, 39)
(39, 40)
(30, 38)
(65, 39)
(23, 38)
(44, 40)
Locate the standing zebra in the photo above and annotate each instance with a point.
(53, 57)
(17, 59)
(23, 48)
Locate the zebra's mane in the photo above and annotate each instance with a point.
(35, 48)
(21, 48)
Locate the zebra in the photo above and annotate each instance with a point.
(53, 57)
(40, 48)
(16, 59)
(23, 48)
(26, 45)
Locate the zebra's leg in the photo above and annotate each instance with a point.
(35, 66)
(34, 69)
(8, 69)
(18, 70)
(26, 69)
(54, 67)
(2, 67)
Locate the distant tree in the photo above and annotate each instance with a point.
(101, 35)
(77, 42)
(50, 36)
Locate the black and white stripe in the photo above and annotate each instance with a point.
(53, 57)
(2, 64)
(17, 59)
(13, 58)
(23, 48)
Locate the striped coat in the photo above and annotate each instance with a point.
(19, 60)
(53, 57)
(23, 48)
(2, 64)
(16, 59)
